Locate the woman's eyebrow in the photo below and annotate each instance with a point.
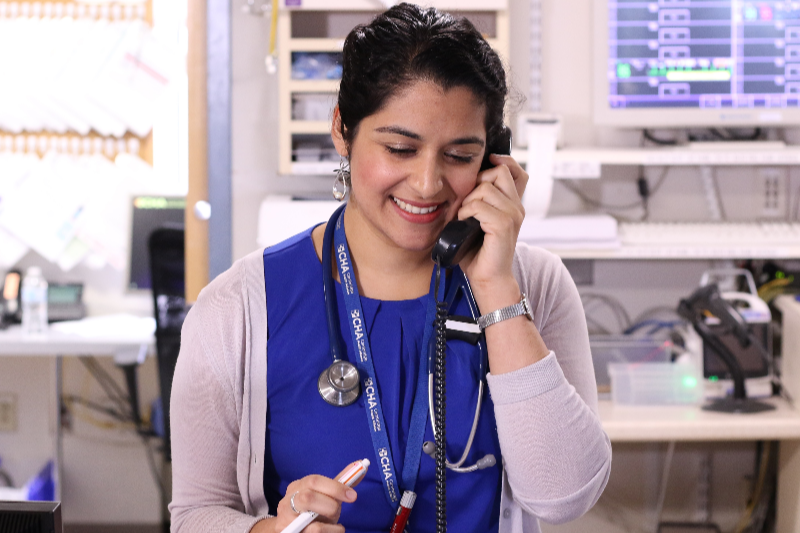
(399, 131)
(469, 140)
(410, 134)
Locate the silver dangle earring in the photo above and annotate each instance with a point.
(342, 182)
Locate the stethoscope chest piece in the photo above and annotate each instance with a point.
(339, 384)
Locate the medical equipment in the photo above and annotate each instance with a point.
(339, 383)
(705, 301)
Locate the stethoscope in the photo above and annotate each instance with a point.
(339, 384)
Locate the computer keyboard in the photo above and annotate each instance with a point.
(703, 239)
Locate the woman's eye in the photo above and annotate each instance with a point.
(461, 158)
(395, 150)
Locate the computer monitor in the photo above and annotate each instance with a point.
(682, 63)
(149, 214)
(30, 517)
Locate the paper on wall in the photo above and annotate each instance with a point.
(75, 252)
(11, 249)
(133, 78)
(13, 168)
(43, 211)
(103, 221)
(79, 74)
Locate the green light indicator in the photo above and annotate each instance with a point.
(713, 378)
(779, 275)
(623, 71)
(690, 382)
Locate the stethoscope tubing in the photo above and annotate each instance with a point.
(338, 351)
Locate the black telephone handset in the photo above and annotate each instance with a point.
(460, 236)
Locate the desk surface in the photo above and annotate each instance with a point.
(118, 335)
(690, 423)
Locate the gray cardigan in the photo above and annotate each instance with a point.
(556, 456)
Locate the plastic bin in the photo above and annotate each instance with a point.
(655, 383)
(608, 349)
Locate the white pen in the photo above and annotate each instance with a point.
(349, 476)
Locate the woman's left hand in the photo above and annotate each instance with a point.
(496, 203)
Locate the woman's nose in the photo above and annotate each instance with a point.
(426, 179)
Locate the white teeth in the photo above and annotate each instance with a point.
(414, 209)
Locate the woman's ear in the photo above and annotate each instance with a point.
(336, 133)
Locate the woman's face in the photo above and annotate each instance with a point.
(414, 161)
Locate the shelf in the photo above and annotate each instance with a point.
(648, 423)
(681, 252)
(310, 126)
(316, 168)
(664, 240)
(314, 86)
(316, 45)
(773, 154)
(322, 40)
(373, 5)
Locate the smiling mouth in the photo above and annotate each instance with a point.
(413, 209)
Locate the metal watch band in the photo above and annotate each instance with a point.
(512, 311)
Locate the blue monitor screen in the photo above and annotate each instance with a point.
(704, 54)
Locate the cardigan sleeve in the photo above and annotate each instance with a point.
(556, 455)
(206, 412)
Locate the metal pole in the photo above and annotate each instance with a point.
(218, 40)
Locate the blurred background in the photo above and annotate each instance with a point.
(146, 145)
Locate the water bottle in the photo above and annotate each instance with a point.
(34, 302)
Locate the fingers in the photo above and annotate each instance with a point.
(491, 199)
(518, 174)
(319, 494)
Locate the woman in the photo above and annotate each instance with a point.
(421, 98)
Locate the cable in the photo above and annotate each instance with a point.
(441, 408)
(659, 324)
(151, 461)
(620, 314)
(730, 135)
(645, 193)
(123, 413)
(662, 492)
(596, 203)
(772, 289)
(7, 479)
(121, 417)
(109, 386)
(715, 181)
(653, 311)
(661, 142)
(755, 499)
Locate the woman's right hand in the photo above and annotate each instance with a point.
(316, 493)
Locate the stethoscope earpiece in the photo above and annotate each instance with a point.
(339, 384)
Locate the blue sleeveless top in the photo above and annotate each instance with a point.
(305, 435)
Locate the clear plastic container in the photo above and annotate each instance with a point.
(655, 383)
(607, 349)
(34, 302)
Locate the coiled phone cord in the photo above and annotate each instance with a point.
(440, 388)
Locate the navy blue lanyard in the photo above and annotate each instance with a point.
(372, 402)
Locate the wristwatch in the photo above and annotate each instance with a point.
(522, 308)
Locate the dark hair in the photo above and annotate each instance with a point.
(406, 44)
